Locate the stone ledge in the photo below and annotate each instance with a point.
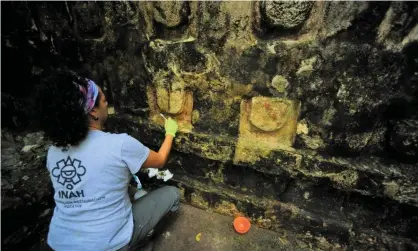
(318, 196)
(275, 208)
(219, 148)
(323, 232)
(269, 214)
(315, 196)
(369, 177)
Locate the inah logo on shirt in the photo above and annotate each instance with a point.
(68, 172)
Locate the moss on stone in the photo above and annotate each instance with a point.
(198, 201)
(314, 142)
(206, 146)
(195, 116)
(279, 83)
(306, 67)
(217, 176)
(391, 189)
(302, 128)
(221, 113)
(264, 223)
(227, 208)
(244, 152)
(294, 210)
(182, 190)
(345, 179)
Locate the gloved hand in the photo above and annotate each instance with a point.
(170, 127)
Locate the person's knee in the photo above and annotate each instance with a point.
(174, 192)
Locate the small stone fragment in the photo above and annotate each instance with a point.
(306, 67)
(27, 148)
(45, 213)
(302, 128)
(279, 83)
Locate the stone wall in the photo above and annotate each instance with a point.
(26, 191)
(300, 115)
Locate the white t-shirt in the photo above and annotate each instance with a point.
(93, 210)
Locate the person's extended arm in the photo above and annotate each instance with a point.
(158, 159)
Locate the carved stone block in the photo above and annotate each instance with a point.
(285, 15)
(266, 124)
(177, 104)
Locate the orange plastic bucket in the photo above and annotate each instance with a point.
(242, 225)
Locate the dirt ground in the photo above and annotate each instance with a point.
(217, 234)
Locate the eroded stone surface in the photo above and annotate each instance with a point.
(168, 13)
(340, 16)
(404, 139)
(403, 16)
(89, 19)
(270, 114)
(171, 102)
(26, 190)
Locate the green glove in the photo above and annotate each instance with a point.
(170, 127)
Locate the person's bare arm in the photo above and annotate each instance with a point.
(158, 159)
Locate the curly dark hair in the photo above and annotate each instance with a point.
(61, 111)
